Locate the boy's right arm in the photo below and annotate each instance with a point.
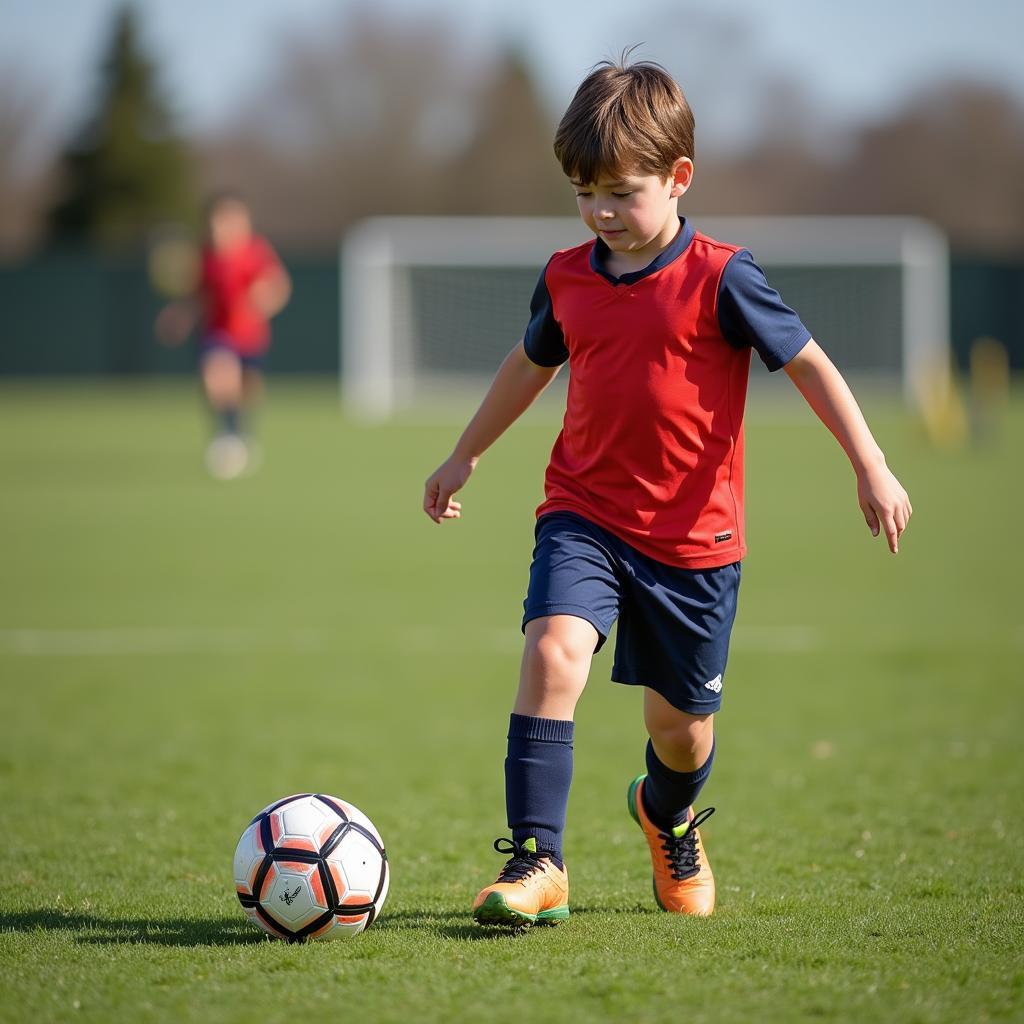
(517, 383)
(176, 321)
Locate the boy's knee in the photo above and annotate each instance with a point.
(556, 662)
(681, 733)
(558, 649)
(222, 376)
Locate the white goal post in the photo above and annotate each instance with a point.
(431, 303)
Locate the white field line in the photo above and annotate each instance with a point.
(423, 640)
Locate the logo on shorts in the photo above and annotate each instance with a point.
(719, 537)
(714, 684)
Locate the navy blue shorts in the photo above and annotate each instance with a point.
(674, 624)
(215, 342)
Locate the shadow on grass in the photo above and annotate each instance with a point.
(117, 931)
(95, 929)
(455, 924)
(448, 924)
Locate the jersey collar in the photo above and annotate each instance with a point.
(600, 253)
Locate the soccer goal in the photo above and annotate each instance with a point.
(431, 305)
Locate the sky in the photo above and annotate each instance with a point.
(855, 60)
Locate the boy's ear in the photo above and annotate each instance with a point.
(682, 176)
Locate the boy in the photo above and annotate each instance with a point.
(241, 286)
(643, 517)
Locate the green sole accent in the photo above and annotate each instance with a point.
(495, 910)
(657, 898)
(554, 915)
(631, 798)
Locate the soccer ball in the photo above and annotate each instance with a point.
(311, 866)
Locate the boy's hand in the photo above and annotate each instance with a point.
(448, 478)
(881, 496)
(884, 503)
(174, 323)
(269, 294)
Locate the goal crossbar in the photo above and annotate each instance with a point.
(377, 255)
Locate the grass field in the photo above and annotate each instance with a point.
(175, 653)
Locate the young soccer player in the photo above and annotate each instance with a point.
(242, 285)
(643, 517)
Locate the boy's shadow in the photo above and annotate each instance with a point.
(454, 924)
(94, 929)
(448, 924)
(229, 930)
(233, 930)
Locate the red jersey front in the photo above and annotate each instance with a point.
(226, 280)
(651, 446)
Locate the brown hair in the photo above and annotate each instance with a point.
(625, 118)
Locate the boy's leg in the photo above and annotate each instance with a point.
(533, 886)
(571, 604)
(673, 639)
(227, 455)
(253, 390)
(252, 397)
(221, 372)
(680, 754)
(252, 387)
(661, 804)
(538, 768)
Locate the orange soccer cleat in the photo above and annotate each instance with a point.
(530, 889)
(683, 883)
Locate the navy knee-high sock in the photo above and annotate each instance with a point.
(228, 420)
(538, 773)
(668, 794)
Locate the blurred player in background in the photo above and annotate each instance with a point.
(241, 284)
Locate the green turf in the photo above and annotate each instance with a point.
(175, 653)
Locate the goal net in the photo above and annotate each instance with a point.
(431, 305)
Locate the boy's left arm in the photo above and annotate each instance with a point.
(272, 288)
(882, 498)
(270, 292)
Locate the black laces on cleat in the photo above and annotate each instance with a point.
(682, 850)
(524, 862)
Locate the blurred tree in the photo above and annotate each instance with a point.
(360, 119)
(508, 166)
(385, 115)
(126, 170)
(388, 116)
(25, 174)
(954, 154)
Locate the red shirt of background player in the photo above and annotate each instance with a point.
(232, 318)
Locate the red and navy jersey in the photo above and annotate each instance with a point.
(226, 280)
(651, 446)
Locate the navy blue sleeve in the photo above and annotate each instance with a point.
(543, 341)
(752, 314)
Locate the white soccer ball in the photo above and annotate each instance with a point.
(311, 866)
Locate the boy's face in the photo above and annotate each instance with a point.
(230, 224)
(634, 213)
